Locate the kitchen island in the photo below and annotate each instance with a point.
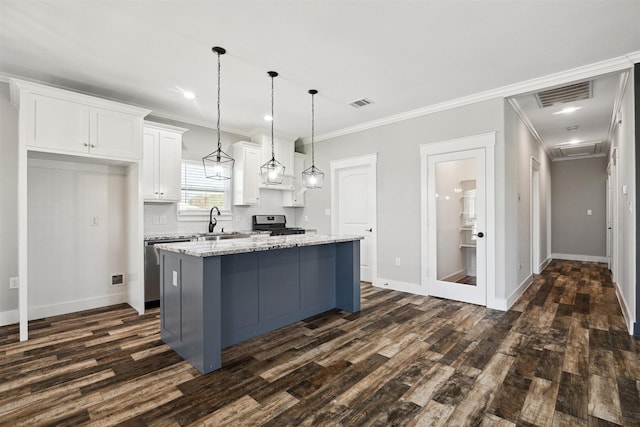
(218, 293)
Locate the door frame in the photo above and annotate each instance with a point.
(487, 142)
(534, 225)
(370, 160)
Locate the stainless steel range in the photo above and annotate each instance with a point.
(276, 224)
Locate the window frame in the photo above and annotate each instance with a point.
(202, 214)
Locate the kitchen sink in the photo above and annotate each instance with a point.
(220, 236)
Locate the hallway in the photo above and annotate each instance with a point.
(560, 356)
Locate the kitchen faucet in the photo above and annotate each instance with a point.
(213, 221)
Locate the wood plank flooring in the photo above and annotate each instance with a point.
(561, 356)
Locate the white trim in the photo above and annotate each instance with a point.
(9, 317)
(617, 105)
(534, 220)
(634, 56)
(42, 311)
(575, 257)
(525, 119)
(517, 293)
(579, 73)
(162, 126)
(486, 141)
(626, 311)
(370, 160)
(544, 264)
(591, 156)
(396, 285)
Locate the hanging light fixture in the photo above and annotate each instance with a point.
(313, 177)
(272, 172)
(218, 165)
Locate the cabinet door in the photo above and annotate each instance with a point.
(251, 173)
(169, 162)
(150, 164)
(284, 154)
(57, 125)
(114, 134)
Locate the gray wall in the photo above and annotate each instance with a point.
(398, 179)
(9, 195)
(579, 185)
(521, 147)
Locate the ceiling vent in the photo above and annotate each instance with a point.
(362, 102)
(564, 94)
(583, 150)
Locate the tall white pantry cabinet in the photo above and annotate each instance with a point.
(77, 128)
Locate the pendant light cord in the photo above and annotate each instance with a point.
(218, 122)
(273, 152)
(313, 128)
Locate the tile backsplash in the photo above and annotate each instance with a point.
(160, 218)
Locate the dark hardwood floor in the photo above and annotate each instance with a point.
(560, 356)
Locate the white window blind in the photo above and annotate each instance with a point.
(199, 193)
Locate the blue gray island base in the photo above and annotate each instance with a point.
(212, 302)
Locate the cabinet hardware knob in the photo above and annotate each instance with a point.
(480, 235)
(85, 144)
(162, 194)
(93, 146)
(369, 230)
(156, 192)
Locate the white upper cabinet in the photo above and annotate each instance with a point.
(295, 198)
(59, 121)
(246, 173)
(162, 161)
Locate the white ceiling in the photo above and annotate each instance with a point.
(593, 120)
(403, 55)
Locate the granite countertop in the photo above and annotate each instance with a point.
(165, 236)
(252, 244)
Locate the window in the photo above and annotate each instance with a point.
(199, 194)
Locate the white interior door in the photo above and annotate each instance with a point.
(353, 200)
(456, 209)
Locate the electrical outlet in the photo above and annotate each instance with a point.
(95, 221)
(327, 212)
(306, 218)
(397, 262)
(13, 283)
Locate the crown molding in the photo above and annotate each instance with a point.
(612, 65)
(527, 122)
(617, 105)
(590, 156)
(191, 121)
(634, 56)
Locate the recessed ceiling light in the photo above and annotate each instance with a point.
(268, 118)
(574, 141)
(567, 110)
(189, 95)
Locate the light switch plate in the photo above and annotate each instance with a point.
(175, 279)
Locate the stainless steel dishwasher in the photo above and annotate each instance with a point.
(152, 270)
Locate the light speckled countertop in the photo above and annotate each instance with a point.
(164, 236)
(252, 244)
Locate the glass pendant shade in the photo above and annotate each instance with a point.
(312, 177)
(272, 172)
(218, 165)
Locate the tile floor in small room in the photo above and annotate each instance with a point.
(560, 356)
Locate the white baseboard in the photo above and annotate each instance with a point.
(544, 264)
(503, 304)
(9, 317)
(396, 285)
(574, 257)
(626, 312)
(454, 277)
(49, 310)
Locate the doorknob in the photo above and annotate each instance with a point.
(480, 235)
(369, 230)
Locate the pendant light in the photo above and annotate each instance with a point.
(272, 172)
(313, 177)
(218, 165)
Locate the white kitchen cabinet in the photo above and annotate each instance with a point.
(162, 161)
(246, 173)
(283, 149)
(64, 122)
(295, 198)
